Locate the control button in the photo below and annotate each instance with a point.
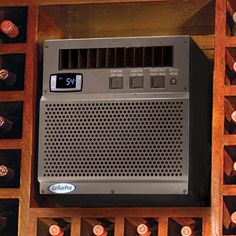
(78, 82)
(158, 81)
(136, 82)
(173, 81)
(116, 82)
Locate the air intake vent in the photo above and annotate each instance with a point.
(92, 58)
(120, 140)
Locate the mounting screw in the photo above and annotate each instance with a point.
(46, 46)
(112, 191)
(185, 88)
(42, 191)
(45, 91)
(185, 191)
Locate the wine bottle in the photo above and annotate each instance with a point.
(230, 117)
(8, 223)
(229, 219)
(186, 231)
(231, 74)
(230, 67)
(99, 230)
(186, 225)
(143, 230)
(3, 223)
(12, 33)
(9, 168)
(97, 226)
(7, 77)
(6, 173)
(55, 230)
(229, 165)
(9, 29)
(10, 127)
(141, 226)
(5, 125)
(231, 18)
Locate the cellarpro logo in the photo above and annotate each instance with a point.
(62, 188)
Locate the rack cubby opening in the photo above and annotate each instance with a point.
(132, 224)
(15, 64)
(44, 224)
(18, 16)
(178, 224)
(88, 225)
(11, 160)
(230, 18)
(9, 217)
(230, 66)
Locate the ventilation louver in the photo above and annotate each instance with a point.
(92, 58)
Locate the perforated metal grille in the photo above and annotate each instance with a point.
(119, 139)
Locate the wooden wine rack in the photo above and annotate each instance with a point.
(101, 18)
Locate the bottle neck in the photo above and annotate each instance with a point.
(5, 125)
(3, 222)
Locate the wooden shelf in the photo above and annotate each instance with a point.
(230, 90)
(12, 95)
(13, 3)
(193, 20)
(229, 190)
(12, 48)
(121, 212)
(69, 2)
(230, 41)
(10, 143)
(9, 193)
(230, 140)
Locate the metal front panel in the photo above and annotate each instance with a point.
(126, 140)
(119, 140)
(97, 80)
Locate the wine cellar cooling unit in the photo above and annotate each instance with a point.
(125, 118)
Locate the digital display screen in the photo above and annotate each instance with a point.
(65, 81)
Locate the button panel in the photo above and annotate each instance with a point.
(145, 80)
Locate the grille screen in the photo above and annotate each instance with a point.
(161, 56)
(114, 139)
